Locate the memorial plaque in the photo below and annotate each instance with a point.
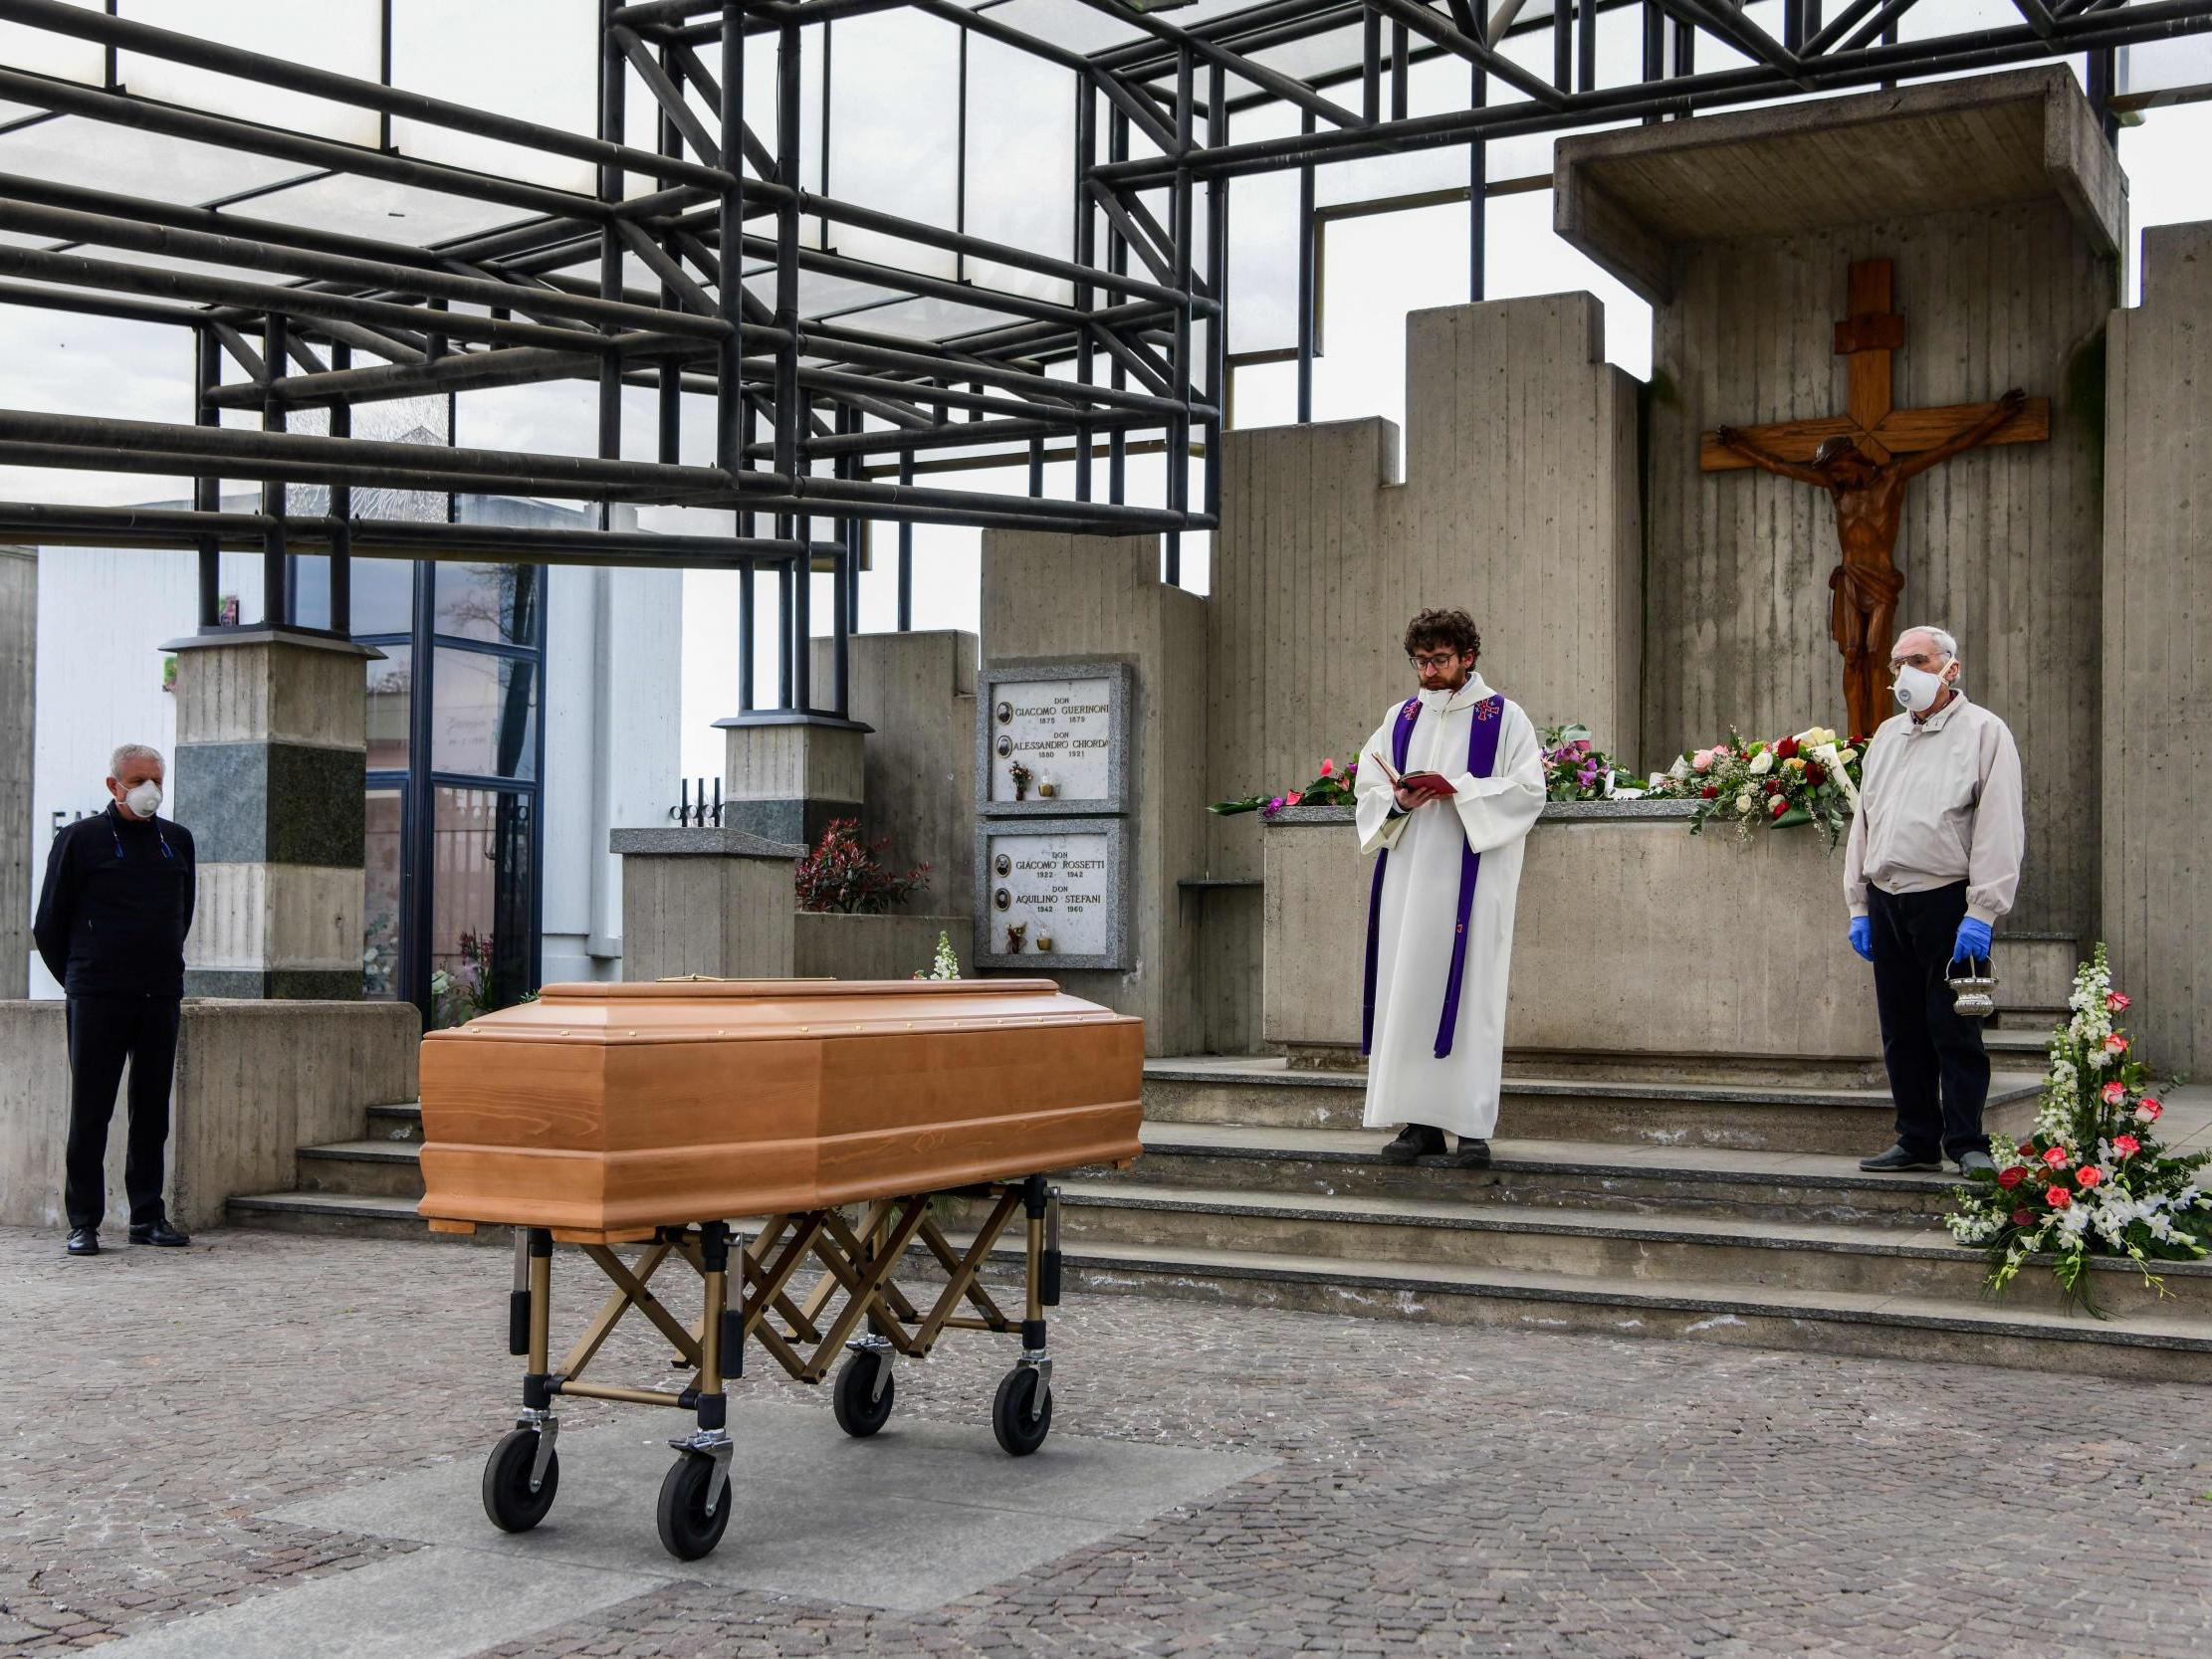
(1049, 894)
(1052, 738)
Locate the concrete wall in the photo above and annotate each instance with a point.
(828, 945)
(2000, 545)
(255, 1082)
(1052, 596)
(2157, 649)
(1632, 937)
(1519, 502)
(722, 906)
(613, 651)
(917, 691)
(19, 624)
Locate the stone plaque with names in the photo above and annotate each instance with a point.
(1049, 894)
(1052, 738)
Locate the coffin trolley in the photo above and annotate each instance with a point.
(609, 1114)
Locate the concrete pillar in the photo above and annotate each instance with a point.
(2157, 649)
(713, 902)
(1049, 596)
(19, 637)
(785, 776)
(918, 692)
(272, 748)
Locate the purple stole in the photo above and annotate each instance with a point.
(1482, 761)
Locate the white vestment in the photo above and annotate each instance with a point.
(1418, 911)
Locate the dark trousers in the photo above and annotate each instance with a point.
(104, 1033)
(1938, 1068)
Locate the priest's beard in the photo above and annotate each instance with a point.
(1452, 679)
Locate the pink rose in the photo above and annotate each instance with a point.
(1703, 760)
(2148, 1110)
(2058, 1198)
(2113, 1092)
(2055, 1157)
(2118, 1002)
(2088, 1176)
(2127, 1145)
(2115, 1044)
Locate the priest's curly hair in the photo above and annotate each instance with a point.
(1452, 630)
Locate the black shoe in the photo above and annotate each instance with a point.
(1897, 1160)
(83, 1241)
(1473, 1153)
(156, 1232)
(1414, 1140)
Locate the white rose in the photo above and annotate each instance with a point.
(1746, 801)
(1762, 763)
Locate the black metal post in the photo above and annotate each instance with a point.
(906, 552)
(342, 513)
(276, 592)
(1217, 284)
(1308, 285)
(207, 486)
(1086, 253)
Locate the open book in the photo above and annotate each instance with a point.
(1427, 783)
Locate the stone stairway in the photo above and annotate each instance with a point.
(1730, 1211)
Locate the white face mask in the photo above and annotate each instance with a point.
(1916, 688)
(143, 799)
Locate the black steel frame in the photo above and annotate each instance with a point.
(818, 423)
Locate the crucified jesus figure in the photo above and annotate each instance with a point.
(1870, 501)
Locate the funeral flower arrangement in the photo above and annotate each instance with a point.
(1809, 778)
(1575, 771)
(1333, 788)
(2091, 1179)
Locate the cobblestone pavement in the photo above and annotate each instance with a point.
(1439, 1490)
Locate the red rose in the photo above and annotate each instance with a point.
(1778, 806)
(1786, 749)
(2088, 1175)
(1774, 786)
(1814, 772)
(2058, 1198)
(1708, 793)
(2011, 1178)
(2023, 1218)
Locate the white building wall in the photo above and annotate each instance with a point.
(614, 667)
(104, 614)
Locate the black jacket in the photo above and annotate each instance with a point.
(116, 905)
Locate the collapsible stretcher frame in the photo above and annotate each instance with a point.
(803, 1332)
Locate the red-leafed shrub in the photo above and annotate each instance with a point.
(842, 874)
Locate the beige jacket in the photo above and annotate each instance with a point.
(1941, 803)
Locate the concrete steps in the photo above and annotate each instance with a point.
(1720, 1212)
(1654, 1111)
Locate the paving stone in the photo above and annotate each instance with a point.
(1437, 1490)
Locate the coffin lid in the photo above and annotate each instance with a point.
(775, 1011)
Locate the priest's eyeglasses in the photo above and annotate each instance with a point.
(1436, 659)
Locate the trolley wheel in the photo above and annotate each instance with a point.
(687, 1529)
(860, 1409)
(1015, 1417)
(507, 1499)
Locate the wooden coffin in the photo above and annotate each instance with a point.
(610, 1110)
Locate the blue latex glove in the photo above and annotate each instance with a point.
(1973, 941)
(1863, 935)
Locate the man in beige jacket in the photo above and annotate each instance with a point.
(1932, 862)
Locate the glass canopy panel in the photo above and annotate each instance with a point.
(75, 148)
(547, 59)
(2186, 62)
(931, 319)
(1021, 180)
(820, 294)
(355, 206)
(894, 134)
(1263, 242)
(342, 36)
(761, 81)
(1331, 50)
(38, 50)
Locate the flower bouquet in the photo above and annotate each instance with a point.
(1333, 788)
(2091, 1179)
(1574, 771)
(1809, 778)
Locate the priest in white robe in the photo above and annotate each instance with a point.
(1440, 935)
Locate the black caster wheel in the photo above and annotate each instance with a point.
(687, 1531)
(1015, 1417)
(507, 1499)
(860, 1409)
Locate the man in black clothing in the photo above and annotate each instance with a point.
(113, 916)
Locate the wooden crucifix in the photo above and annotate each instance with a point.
(1863, 459)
